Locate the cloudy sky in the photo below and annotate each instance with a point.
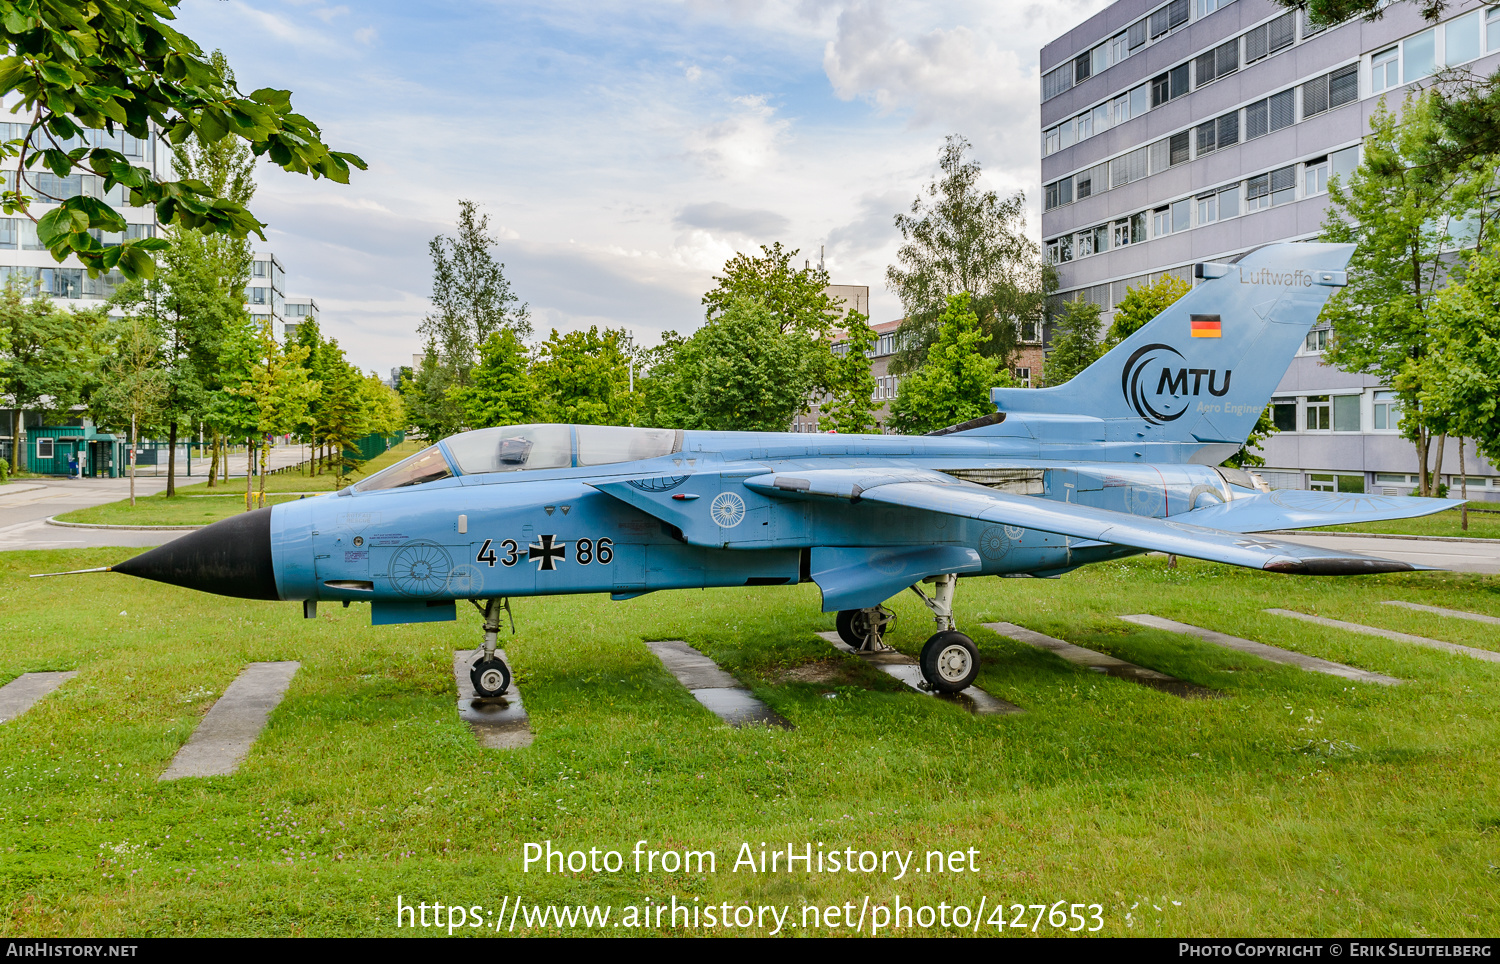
(623, 151)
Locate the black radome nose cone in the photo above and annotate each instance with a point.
(232, 557)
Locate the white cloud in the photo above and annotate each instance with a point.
(743, 143)
(365, 35)
(326, 14)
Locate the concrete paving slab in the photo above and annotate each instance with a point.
(17, 696)
(1483, 654)
(905, 669)
(1101, 662)
(223, 740)
(1437, 610)
(720, 693)
(498, 723)
(1272, 653)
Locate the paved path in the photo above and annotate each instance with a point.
(906, 669)
(1273, 653)
(223, 739)
(1100, 662)
(1454, 556)
(1484, 654)
(26, 504)
(720, 693)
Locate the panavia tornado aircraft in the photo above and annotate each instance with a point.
(1120, 460)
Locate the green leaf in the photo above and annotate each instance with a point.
(134, 262)
(153, 244)
(53, 226)
(272, 97)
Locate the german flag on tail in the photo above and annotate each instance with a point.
(1205, 326)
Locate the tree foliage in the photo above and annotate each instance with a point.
(850, 407)
(501, 391)
(1411, 224)
(1075, 342)
(796, 300)
(1460, 377)
(962, 239)
(954, 384)
(1141, 304)
(53, 356)
(116, 65)
(584, 377)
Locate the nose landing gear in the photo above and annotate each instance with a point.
(489, 674)
(950, 660)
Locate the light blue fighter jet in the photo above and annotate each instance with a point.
(1121, 460)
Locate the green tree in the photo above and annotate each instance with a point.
(954, 384)
(471, 300)
(1410, 224)
(1461, 375)
(1141, 304)
(960, 238)
(662, 382)
(502, 390)
(740, 372)
(278, 391)
(133, 392)
(795, 299)
(1075, 342)
(52, 357)
(348, 417)
(433, 400)
(584, 377)
(851, 404)
(116, 65)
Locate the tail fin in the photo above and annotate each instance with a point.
(1191, 383)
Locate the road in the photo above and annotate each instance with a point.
(26, 504)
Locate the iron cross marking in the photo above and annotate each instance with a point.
(1257, 544)
(546, 553)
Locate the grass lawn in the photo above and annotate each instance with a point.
(1295, 804)
(199, 505)
(1482, 525)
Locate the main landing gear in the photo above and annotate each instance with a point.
(489, 674)
(864, 629)
(950, 660)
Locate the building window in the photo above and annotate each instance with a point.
(1318, 415)
(1385, 69)
(1051, 141)
(44, 448)
(1284, 414)
(1229, 202)
(1315, 177)
(1119, 47)
(1030, 331)
(1095, 180)
(1130, 167)
(1121, 233)
(1419, 56)
(1022, 375)
(1174, 14)
(1170, 85)
(1346, 413)
(1317, 341)
(1208, 209)
(8, 233)
(1182, 215)
(1082, 67)
(1387, 412)
(1059, 193)
(1218, 62)
(1057, 81)
(1206, 7)
(1179, 147)
(1161, 222)
(1492, 29)
(1461, 39)
(258, 296)
(1331, 90)
(1268, 190)
(1100, 55)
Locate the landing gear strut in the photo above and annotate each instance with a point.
(864, 629)
(950, 660)
(489, 674)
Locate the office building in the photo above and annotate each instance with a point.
(1197, 130)
(265, 296)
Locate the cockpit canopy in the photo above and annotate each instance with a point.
(513, 448)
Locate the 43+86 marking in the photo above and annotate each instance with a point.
(546, 552)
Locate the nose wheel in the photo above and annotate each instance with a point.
(490, 676)
(950, 662)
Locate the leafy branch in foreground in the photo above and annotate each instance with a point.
(116, 65)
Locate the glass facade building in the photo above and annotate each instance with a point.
(1180, 132)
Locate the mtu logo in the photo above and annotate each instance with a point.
(1167, 399)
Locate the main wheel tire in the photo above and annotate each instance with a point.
(845, 623)
(490, 676)
(950, 662)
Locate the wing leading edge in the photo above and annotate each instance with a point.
(1225, 541)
